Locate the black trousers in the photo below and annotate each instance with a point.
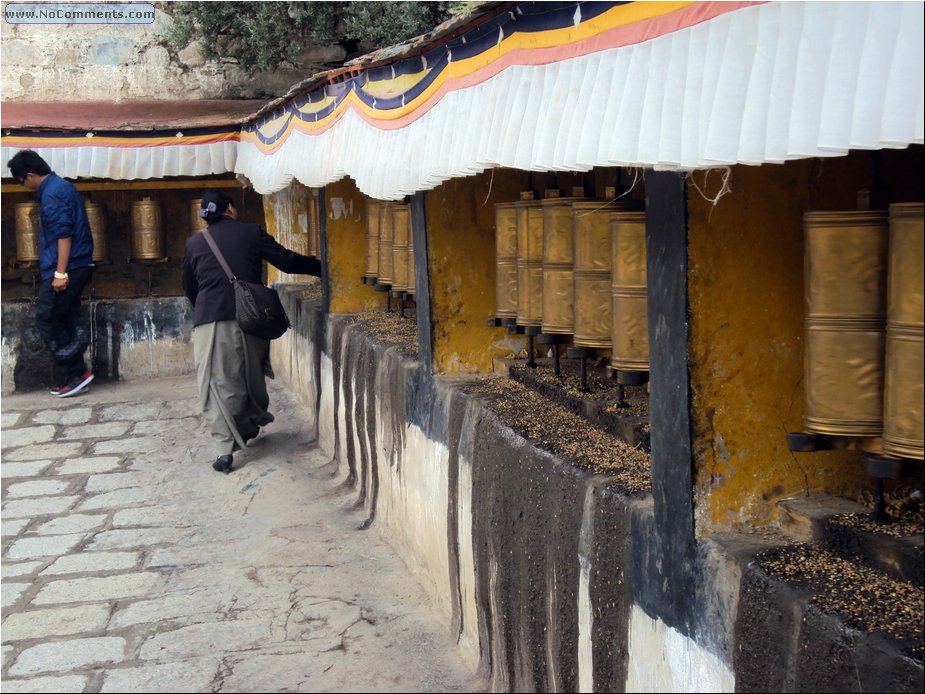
(57, 316)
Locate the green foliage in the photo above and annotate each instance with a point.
(263, 35)
(378, 24)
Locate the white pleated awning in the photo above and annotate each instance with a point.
(127, 164)
(557, 86)
(678, 86)
(128, 140)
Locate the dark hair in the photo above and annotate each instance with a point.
(213, 205)
(25, 162)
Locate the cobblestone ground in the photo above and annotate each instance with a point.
(129, 565)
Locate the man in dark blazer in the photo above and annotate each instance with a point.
(231, 365)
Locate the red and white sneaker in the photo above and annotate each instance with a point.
(76, 386)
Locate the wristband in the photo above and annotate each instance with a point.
(60, 275)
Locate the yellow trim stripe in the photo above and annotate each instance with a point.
(396, 85)
(65, 140)
(621, 15)
(616, 17)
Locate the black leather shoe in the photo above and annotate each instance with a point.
(223, 464)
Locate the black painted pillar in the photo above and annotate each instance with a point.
(323, 241)
(422, 282)
(670, 393)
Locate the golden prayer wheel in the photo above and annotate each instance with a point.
(593, 301)
(845, 274)
(196, 222)
(529, 264)
(372, 240)
(97, 219)
(147, 230)
(558, 266)
(386, 234)
(630, 331)
(410, 290)
(506, 260)
(401, 238)
(28, 228)
(903, 389)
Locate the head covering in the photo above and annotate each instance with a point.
(213, 205)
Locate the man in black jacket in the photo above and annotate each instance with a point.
(230, 364)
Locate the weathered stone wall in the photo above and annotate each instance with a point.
(90, 62)
(131, 339)
(296, 357)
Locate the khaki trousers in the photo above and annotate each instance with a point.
(232, 387)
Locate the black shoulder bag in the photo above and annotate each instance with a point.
(257, 308)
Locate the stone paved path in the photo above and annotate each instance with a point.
(129, 565)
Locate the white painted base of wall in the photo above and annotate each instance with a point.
(326, 440)
(662, 659)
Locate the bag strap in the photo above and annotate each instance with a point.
(218, 255)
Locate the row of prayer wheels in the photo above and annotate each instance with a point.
(573, 266)
(305, 222)
(147, 230)
(389, 247)
(864, 325)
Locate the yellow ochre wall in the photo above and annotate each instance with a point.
(346, 234)
(461, 253)
(746, 331)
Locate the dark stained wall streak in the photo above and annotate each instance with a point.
(608, 585)
(527, 511)
(456, 423)
(336, 347)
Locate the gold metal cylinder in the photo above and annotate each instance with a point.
(529, 264)
(845, 277)
(411, 289)
(147, 230)
(630, 331)
(196, 222)
(401, 237)
(386, 234)
(593, 301)
(28, 228)
(558, 266)
(506, 260)
(96, 216)
(372, 240)
(903, 389)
